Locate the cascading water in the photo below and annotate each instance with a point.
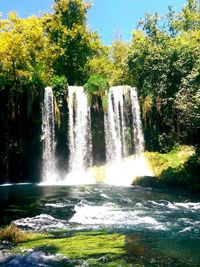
(137, 124)
(121, 135)
(80, 141)
(116, 142)
(48, 138)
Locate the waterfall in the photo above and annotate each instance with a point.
(137, 124)
(123, 136)
(123, 132)
(48, 137)
(116, 142)
(80, 141)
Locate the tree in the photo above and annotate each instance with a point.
(24, 50)
(119, 54)
(111, 63)
(74, 43)
(164, 65)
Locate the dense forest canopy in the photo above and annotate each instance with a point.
(162, 61)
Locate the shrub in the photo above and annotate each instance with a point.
(96, 85)
(13, 234)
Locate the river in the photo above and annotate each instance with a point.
(161, 227)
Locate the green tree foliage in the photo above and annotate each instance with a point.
(24, 50)
(96, 88)
(164, 63)
(25, 68)
(74, 43)
(100, 64)
(59, 85)
(111, 63)
(96, 85)
(119, 54)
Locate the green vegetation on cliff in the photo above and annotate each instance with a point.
(164, 65)
(178, 168)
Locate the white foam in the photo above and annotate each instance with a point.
(30, 258)
(191, 206)
(110, 214)
(105, 196)
(41, 222)
(72, 178)
(56, 205)
(79, 178)
(188, 205)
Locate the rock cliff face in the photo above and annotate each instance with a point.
(20, 149)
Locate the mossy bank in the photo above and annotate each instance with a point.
(178, 168)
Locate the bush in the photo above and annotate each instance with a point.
(96, 85)
(13, 234)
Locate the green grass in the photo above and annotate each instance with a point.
(79, 246)
(98, 248)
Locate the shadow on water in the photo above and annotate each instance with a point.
(153, 251)
(17, 201)
(171, 183)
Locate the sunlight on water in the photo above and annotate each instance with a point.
(119, 173)
(124, 172)
(79, 177)
(167, 223)
(115, 208)
(51, 179)
(73, 178)
(18, 184)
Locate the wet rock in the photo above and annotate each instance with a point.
(37, 259)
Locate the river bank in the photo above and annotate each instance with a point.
(179, 168)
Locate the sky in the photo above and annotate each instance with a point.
(111, 18)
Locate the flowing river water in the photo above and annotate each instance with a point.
(160, 227)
